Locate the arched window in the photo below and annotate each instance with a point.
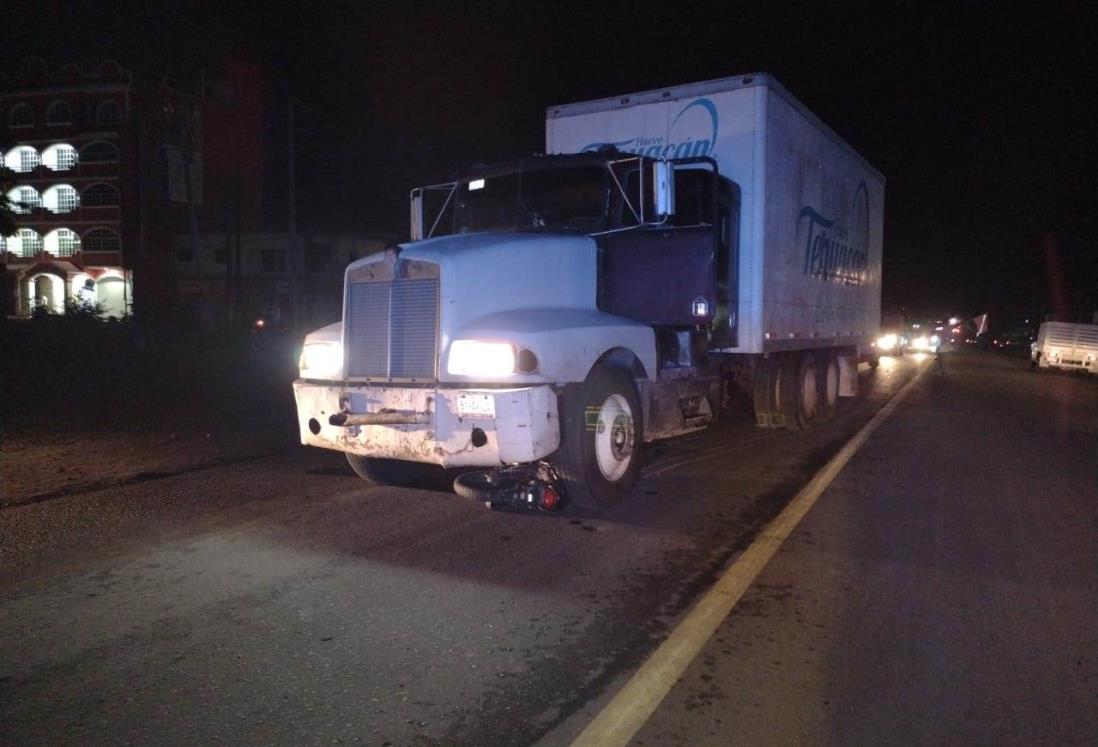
(21, 115)
(25, 199)
(61, 242)
(99, 151)
(59, 157)
(22, 159)
(101, 240)
(59, 113)
(25, 243)
(108, 112)
(61, 198)
(99, 195)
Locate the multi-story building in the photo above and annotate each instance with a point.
(97, 161)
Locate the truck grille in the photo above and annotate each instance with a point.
(392, 329)
(1085, 336)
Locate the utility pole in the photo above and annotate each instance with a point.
(292, 263)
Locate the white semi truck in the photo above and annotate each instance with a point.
(1065, 345)
(557, 312)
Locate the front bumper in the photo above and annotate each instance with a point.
(526, 426)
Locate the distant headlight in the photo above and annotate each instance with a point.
(887, 342)
(922, 342)
(321, 360)
(935, 341)
(474, 358)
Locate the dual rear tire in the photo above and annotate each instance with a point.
(796, 390)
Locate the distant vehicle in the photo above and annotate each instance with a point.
(891, 343)
(554, 313)
(1065, 345)
(924, 342)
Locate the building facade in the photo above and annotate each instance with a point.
(289, 282)
(104, 166)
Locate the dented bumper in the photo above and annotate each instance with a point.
(524, 425)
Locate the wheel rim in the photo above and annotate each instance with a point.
(809, 391)
(832, 383)
(614, 437)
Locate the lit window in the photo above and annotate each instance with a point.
(59, 113)
(99, 151)
(25, 199)
(59, 157)
(98, 195)
(109, 112)
(21, 116)
(29, 242)
(101, 240)
(62, 242)
(61, 198)
(21, 159)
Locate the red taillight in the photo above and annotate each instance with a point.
(550, 498)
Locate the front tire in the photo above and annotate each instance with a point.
(601, 438)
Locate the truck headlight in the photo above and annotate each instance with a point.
(474, 358)
(321, 360)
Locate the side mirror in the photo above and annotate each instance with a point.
(663, 187)
(417, 214)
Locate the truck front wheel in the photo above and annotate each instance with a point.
(600, 441)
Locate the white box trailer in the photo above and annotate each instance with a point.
(812, 209)
(562, 310)
(1065, 345)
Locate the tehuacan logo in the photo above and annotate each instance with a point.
(835, 252)
(693, 132)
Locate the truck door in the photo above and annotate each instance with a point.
(725, 317)
(677, 274)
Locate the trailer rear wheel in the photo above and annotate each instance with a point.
(601, 437)
(765, 392)
(828, 398)
(378, 471)
(798, 391)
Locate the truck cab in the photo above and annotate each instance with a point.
(537, 309)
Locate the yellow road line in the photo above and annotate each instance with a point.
(623, 716)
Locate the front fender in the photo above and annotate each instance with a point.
(567, 342)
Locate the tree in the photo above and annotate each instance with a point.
(7, 207)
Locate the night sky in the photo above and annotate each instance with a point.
(981, 117)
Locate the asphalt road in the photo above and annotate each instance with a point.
(944, 589)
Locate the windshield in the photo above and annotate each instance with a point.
(568, 199)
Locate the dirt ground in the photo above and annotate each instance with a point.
(43, 464)
(124, 408)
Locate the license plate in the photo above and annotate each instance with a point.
(476, 406)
